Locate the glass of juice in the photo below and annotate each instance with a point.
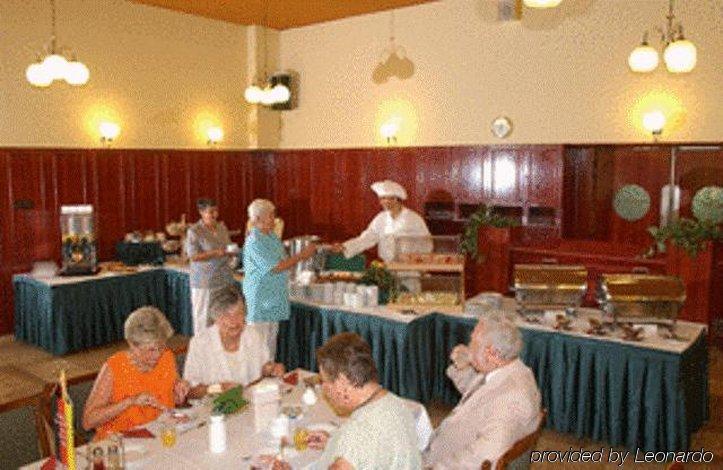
(168, 434)
(301, 439)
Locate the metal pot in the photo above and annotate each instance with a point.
(296, 245)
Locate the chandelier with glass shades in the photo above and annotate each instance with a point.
(56, 63)
(679, 54)
(542, 3)
(268, 91)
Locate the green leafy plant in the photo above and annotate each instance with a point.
(230, 401)
(377, 274)
(482, 217)
(688, 234)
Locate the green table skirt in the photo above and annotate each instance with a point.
(178, 299)
(622, 394)
(401, 350)
(73, 317)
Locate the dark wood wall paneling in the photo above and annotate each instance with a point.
(129, 189)
(326, 192)
(592, 176)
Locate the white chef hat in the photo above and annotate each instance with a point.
(389, 188)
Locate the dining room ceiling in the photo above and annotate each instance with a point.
(279, 14)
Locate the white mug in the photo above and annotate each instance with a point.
(371, 296)
(357, 300)
(328, 293)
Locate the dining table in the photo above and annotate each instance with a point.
(250, 440)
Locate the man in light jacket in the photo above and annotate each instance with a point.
(500, 401)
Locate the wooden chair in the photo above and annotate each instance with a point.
(525, 444)
(45, 413)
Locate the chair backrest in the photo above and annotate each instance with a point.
(79, 389)
(519, 448)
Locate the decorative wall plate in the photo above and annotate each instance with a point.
(501, 127)
(631, 202)
(707, 204)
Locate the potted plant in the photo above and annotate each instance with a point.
(377, 274)
(482, 218)
(690, 235)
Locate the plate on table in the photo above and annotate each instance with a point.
(134, 452)
(324, 426)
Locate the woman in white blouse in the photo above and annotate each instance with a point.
(227, 354)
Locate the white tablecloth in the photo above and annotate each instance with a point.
(243, 441)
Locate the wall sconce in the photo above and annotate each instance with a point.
(654, 122)
(108, 132)
(389, 131)
(215, 135)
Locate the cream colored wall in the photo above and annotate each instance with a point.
(163, 76)
(561, 75)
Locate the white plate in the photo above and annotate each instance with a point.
(328, 427)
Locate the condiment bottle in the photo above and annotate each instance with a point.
(217, 434)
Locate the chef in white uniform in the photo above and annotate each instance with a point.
(393, 222)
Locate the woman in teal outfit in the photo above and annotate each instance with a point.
(265, 273)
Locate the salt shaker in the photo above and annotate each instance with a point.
(309, 397)
(217, 433)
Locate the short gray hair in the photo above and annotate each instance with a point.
(147, 325)
(501, 332)
(222, 300)
(259, 207)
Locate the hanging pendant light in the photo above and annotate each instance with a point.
(542, 3)
(55, 65)
(680, 55)
(253, 94)
(644, 58)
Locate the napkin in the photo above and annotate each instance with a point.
(49, 464)
(139, 433)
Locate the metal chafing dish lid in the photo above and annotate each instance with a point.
(642, 288)
(550, 276)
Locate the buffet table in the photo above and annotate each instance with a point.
(399, 343)
(67, 314)
(650, 394)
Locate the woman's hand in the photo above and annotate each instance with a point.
(228, 385)
(273, 369)
(460, 356)
(146, 399)
(318, 439)
(336, 248)
(280, 465)
(180, 391)
(308, 252)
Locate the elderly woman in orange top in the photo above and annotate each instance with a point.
(135, 386)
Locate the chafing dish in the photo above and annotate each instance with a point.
(545, 287)
(641, 298)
